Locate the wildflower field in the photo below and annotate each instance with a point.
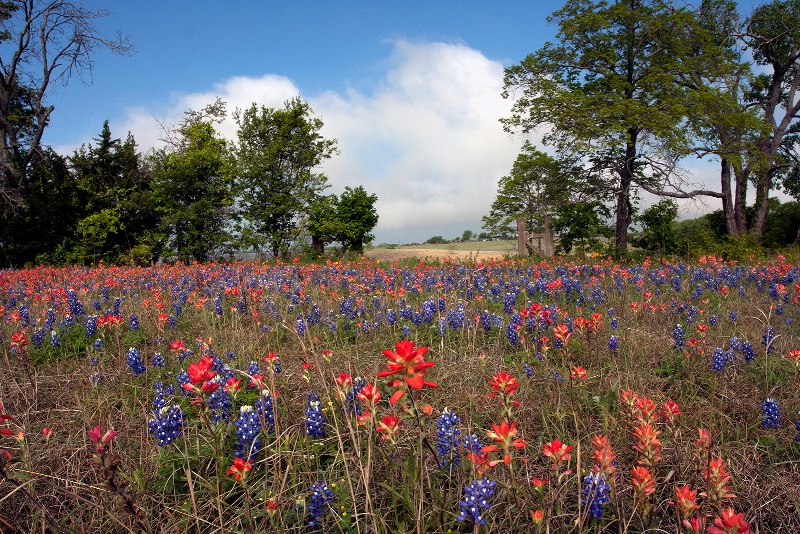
(497, 396)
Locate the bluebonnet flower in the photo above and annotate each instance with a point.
(219, 402)
(135, 361)
(594, 494)
(74, 305)
(448, 439)
(613, 343)
(314, 419)
(735, 344)
(98, 344)
(442, 326)
(252, 369)
(528, 370)
(486, 320)
(712, 320)
(91, 325)
(768, 339)
(771, 414)
(733, 316)
(171, 321)
(117, 303)
(300, 325)
(747, 351)
(719, 361)
(248, 427)
(741, 291)
(614, 323)
(511, 334)
(167, 424)
(55, 340)
(158, 360)
(797, 427)
(95, 379)
(93, 361)
(321, 498)
(557, 377)
(476, 501)
(134, 322)
(406, 331)
(37, 338)
(677, 335)
(391, 317)
(264, 405)
(472, 443)
(353, 405)
(509, 301)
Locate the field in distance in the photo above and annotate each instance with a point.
(480, 250)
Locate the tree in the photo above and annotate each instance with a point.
(348, 219)
(42, 229)
(356, 211)
(118, 220)
(580, 224)
(537, 186)
(276, 154)
(658, 231)
(468, 235)
(773, 33)
(607, 90)
(192, 187)
(43, 43)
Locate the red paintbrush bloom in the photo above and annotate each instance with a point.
(344, 380)
(388, 427)
(504, 434)
(795, 356)
(369, 394)
(503, 383)
(729, 522)
(686, 500)
(409, 362)
(557, 452)
(201, 371)
(670, 410)
(577, 373)
(177, 346)
(239, 468)
(481, 462)
(603, 455)
(562, 333)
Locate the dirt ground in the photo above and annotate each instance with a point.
(389, 255)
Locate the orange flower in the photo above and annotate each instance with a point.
(177, 345)
(388, 427)
(794, 355)
(577, 373)
(201, 371)
(642, 481)
(537, 516)
(562, 333)
(504, 384)
(729, 522)
(557, 452)
(369, 394)
(505, 435)
(409, 361)
(603, 455)
(686, 500)
(239, 468)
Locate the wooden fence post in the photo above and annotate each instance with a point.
(522, 248)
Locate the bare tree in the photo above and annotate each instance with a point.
(41, 43)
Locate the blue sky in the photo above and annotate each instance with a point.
(410, 89)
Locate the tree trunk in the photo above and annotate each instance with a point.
(727, 200)
(740, 199)
(317, 245)
(624, 208)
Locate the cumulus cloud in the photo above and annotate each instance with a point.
(426, 139)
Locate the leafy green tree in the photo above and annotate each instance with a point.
(276, 154)
(117, 214)
(607, 91)
(192, 187)
(773, 34)
(581, 225)
(358, 216)
(42, 42)
(468, 235)
(348, 219)
(537, 186)
(658, 230)
(42, 228)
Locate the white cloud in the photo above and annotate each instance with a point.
(427, 140)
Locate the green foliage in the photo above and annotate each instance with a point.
(436, 240)
(277, 151)
(581, 225)
(658, 232)
(192, 189)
